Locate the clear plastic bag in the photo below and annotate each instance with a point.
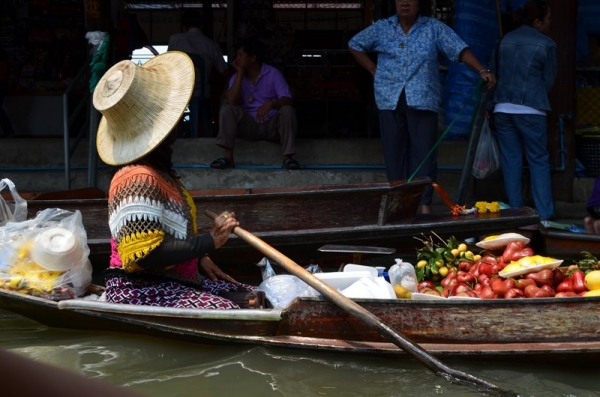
(403, 278)
(16, 212)
(283, 289)
(46, 256)
(487, 155)
(267, 269)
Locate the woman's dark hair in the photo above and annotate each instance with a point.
(532, 10)
(161, 158)
(252, 46)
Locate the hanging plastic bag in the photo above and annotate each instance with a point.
(16, 212)
(487, 156)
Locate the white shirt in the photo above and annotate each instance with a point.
(512, 108)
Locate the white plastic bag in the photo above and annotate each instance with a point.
(283, 289)
(487, 155)
(16, 212)
(46, 256)
(403, 279)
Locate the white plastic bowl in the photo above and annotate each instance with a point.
(56, 249)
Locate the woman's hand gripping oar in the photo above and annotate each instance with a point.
(365, 316)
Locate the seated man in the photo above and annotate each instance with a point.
(258, 106)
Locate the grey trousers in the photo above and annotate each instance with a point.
(407, 136)
(234, 122)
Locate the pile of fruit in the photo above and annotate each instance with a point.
(449, 268)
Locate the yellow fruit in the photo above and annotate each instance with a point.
(488, 238)
(462, 247)
(527, 261)
(512, 267)
(443, 271)
(439, 263)
(401, 292)
(592, 280)
(421, 264)
(455, 252)
(469, 255)
(595, 292)
(477, 257)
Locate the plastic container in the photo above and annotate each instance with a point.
(342, 280)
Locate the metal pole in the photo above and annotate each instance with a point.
(230, 30)
(94, 121)
(92, 153)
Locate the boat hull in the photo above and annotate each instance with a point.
(565, 244)
(557, 329)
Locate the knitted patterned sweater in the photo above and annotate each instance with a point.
(146, 208)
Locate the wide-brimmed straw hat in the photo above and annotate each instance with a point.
(140, 105)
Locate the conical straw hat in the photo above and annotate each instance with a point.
(140, 105)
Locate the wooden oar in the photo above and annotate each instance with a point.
(365, 316)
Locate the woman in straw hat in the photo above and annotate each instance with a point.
(152, 218)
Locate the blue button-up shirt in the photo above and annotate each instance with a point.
(408, 62)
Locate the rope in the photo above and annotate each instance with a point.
(437, 143)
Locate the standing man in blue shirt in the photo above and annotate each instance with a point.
(407, 85)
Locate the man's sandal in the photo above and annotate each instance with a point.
(222, 163)
(290, 164)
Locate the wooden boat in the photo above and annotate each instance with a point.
(565, 244)
(297, 221)
(548, 328)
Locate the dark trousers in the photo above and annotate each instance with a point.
(407, 136)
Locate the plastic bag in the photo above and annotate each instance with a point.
(487, 155)
(267, 270)
(403, 279)
(284, 288)
(16, 212)
(46, 256)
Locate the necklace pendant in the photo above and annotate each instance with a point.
(250, 99)
(402, 44)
